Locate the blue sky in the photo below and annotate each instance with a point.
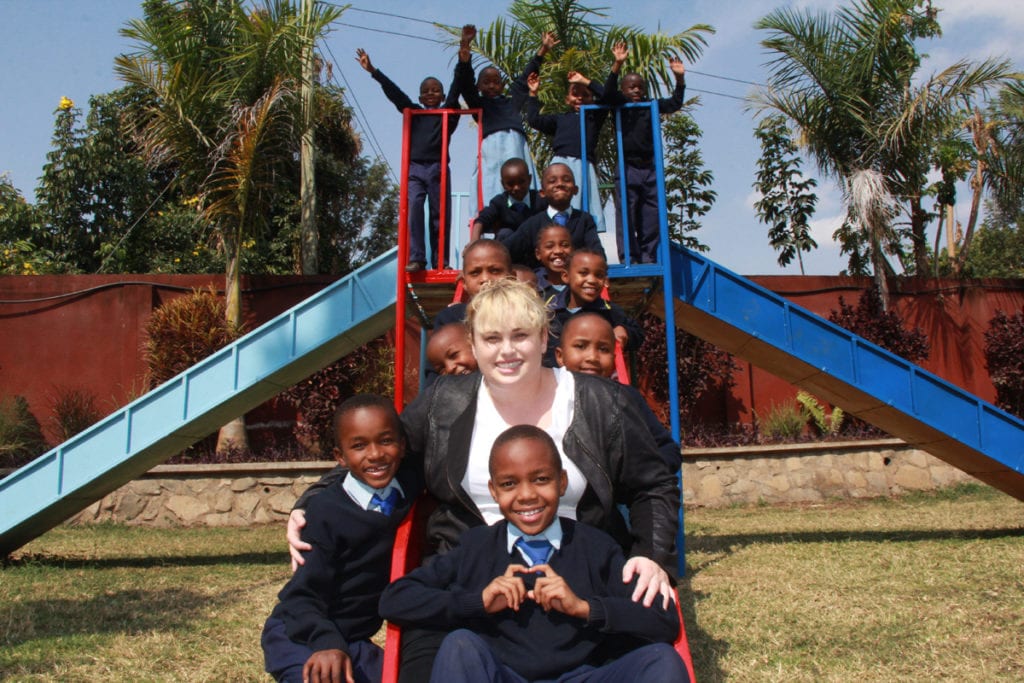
(55, 48)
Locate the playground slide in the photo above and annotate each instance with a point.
(710, 302)
(126, 444)
(834, 364)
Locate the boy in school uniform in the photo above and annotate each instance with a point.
(586, 275)
(508, 210)
(558, 187)
(587, 345)
(326, 614)
(554, 245)
(535, 596)
(564, 131)
(638, 150)
(483, 260)
(425, 145)
(449, 351)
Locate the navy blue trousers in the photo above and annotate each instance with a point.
(425, 188)
(641, 215)
(465, 656)
(283, 658)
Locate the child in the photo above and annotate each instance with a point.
(483, 260)
(554, 245)
(534, 596)
(425, 170)
(558, 187)
(564, 130)
(586, 276)
(587, 345)
(641, 189)
(508, 210)
(328, 610)
(449, 351)
(503, 134)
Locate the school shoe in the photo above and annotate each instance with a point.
(415, 266)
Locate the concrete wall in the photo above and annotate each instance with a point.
(238, 495)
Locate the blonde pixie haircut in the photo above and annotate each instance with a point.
(507, 304)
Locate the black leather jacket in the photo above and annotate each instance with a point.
(608, 440)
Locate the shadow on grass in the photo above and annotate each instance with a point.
(278, 559)
(705, 650)
(124, 611)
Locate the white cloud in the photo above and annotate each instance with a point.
(1008, 14)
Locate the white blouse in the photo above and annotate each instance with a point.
(489, 424)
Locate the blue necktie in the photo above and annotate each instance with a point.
(537, 551)
(386, 504)
(519, 207)
(561, 217)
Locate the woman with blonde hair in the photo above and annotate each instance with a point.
(607, 451)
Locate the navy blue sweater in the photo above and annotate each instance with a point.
(564, 128)
(498, 215)
(504, 112)
(425, 131)
(637, 136)
(522, 244)
(331, 600)
(447, 594)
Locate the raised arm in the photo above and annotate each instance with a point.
(674, 103)
(465, 77)
(612, 94)
(391, 91)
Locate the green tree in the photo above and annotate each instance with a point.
(688, 193)
(998, 249)
(1007, 163)
(787, 202)
(18, 223)
(849, 82)
(223, 82)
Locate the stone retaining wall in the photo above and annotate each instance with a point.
(239, 495)
(801, 473)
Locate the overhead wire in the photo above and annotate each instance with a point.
(364, 121)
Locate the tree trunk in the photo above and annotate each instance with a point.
(232, 436)
(918, 227)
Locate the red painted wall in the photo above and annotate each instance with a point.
(87, 330)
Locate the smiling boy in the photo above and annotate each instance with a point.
(535, 596)
(586, 276)
(558, 187)
(327, 613)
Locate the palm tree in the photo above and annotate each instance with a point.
(848, 82)
(585, 46)
(222, 81)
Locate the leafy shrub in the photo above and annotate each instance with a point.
(884, 328)
(700, 366)
(73, 410)
(368, 369)
(783, 422)
(183, 332)
(1004, 357)
(827, 424)
(21, 438)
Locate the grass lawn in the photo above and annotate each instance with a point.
(918, 588)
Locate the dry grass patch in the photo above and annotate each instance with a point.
(925, 587)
